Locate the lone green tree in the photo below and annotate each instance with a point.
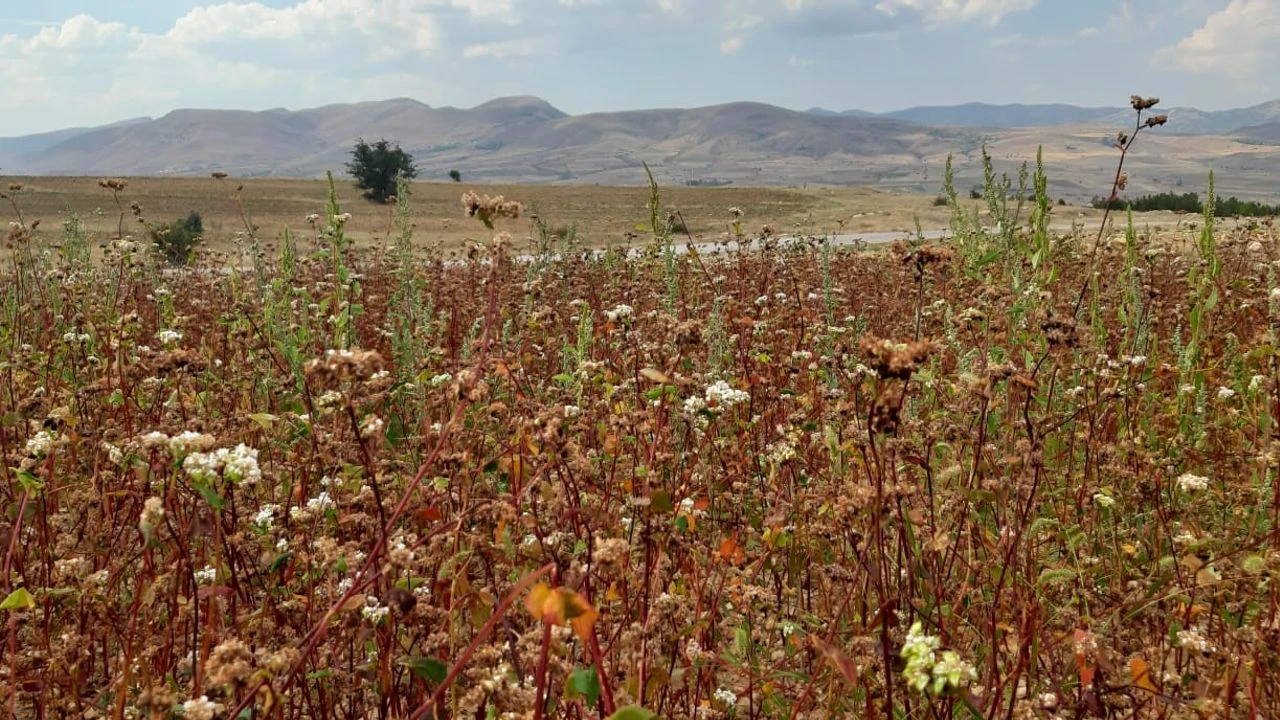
(376, 166)
(455, 176)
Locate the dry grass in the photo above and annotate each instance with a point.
(603, 215)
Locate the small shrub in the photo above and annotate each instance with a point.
(455, 176)
(178, 239)
(940, 201)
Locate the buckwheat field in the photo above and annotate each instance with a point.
(1014, 474)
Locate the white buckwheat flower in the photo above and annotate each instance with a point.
(1190, 483)
(726, 696)
(240, 465)
(40, 444)
(201, 708)
(619, 312)
(169, 337)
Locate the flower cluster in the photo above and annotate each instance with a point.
(620, 312)
(926, 671)
(40, 444)
(169, 337)
(1190, 483)
(237, 465)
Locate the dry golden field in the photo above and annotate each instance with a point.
(603, 214)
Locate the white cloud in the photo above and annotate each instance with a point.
(1090, 32)
(798, 62)
(1042, 42)
(730, 45)
(81, 33)
(504, 49)
(390, 25)
(1237, 41)
(949, 11)
(865, 17)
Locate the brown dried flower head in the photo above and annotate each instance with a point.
(487, 209)
(1156, 120)
(113, 184)
(1140, 103)
(896, 360)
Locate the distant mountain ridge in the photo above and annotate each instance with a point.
(1183, 120)
(526, 139)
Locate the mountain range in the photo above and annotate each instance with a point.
(526, 139)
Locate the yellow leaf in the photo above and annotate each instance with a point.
(353, 602)
(265, 420)
(1140, 674)
(612, 594)
(562, 606)
(579, 613)
(656, 376)
(1207, 575)
(538, 599)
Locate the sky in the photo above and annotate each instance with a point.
(69, 63)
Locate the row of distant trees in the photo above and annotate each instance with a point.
(1191, 203)
(376, 166)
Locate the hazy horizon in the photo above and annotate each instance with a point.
(71, 63)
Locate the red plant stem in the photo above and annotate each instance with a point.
(485, 631)
(1111, 201)
(606, 690)
(539, 701)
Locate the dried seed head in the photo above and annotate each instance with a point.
(15, 187)
(1140, 103)
(219, 175)
(896, 360)
(1122, 181)
(1155, 120)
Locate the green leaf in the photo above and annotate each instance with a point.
(29, 482)
(281, 560)
(263, 419)
(1050, 576)
(660, 501)
(426, 668)
(632, 712)
(585, 683)
(210, 496)
(19, 599)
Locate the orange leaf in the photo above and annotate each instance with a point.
(579, 613)
(562, 606)
(841, 662)
(539, 598)
(731, 552)
(1140, 674)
